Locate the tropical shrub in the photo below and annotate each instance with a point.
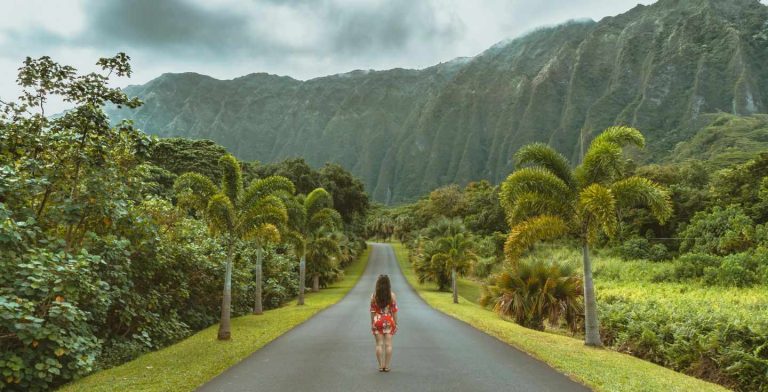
(535, 292)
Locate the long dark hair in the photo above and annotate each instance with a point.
(383, 295)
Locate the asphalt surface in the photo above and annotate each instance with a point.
(334, 351)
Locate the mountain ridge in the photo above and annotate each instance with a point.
(658, 67)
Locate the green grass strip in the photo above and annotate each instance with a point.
(599, 369)
(192, 362)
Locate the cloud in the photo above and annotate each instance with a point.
(168, 25)
(299, 38)
(268, 28)
(389, 26)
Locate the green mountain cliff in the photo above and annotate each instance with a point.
(662, 68)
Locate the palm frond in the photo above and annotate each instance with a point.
(220, 214)
(525, 234)
(598, 206)
(540, 154)
(621, 136)
(194, 190)
(232, 178)
(295, 240)
(271, 185)
(533, 180)
(269, 209)
(317, 200)
(264, 234)
(602, 163)
(530, 204)
(642, 192)
(326, 217)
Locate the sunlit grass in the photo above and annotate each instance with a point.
(600, 369)
(192, 362)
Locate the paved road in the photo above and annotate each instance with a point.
(334, 351)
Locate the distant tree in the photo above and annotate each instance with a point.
(741, 185)
(429, 269)
(545, 199)
(304, 178)
(484, 214)
(447, 201)
(721, 231)
(311, 221)
(454, 253)
(180, 155)
(348, 192)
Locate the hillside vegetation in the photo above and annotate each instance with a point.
(658, 68)
(114, 243)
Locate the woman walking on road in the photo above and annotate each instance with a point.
(383, 321)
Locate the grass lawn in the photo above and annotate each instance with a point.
(188, 364)
(600, 369)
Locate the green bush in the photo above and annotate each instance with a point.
(636, 248)
(721, 231)
(48, 300)
(692, 265)
(708, 344)
(639, 248)
(737, 270)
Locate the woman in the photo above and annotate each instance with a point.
(383, 321)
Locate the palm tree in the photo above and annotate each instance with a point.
(534, 292)
(310, 218)
(233, 214)
(546, 199)
(455, 254)
(323, 252)
(260, 191)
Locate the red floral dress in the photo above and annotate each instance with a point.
(383, 319)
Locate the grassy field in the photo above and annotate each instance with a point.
(600, 369)
(190, 363)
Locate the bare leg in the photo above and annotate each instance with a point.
(388, 350)
(380, 350)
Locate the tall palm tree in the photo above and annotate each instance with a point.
(455, 253)
(233, 214)
(310, 218)
(260, 191)
(323, 252)
(545, 199)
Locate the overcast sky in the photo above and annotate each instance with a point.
(299, 38)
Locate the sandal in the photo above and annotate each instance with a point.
(386, 370)
(382, 369)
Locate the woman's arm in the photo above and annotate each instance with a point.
(373, 312)
(394, 314)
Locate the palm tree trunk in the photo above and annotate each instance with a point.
(453, 286)
(258, 307)
(316, 283)
(224, 324)
(591, 321)
(302, 278)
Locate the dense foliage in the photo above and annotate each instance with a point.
(99, 262)
(688, 293)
